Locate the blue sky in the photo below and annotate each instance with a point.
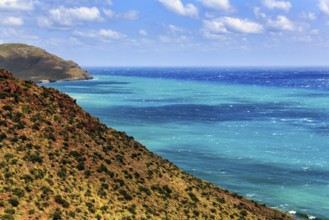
(173, 32)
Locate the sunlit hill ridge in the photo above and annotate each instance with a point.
(58, 162)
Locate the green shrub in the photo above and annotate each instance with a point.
(81, 166)
(102, 168)
(19, 125)
(132, 209)
(17, 117)
(27, 178)
(75, 154)
(51, 137)
(87, 173)
(14, 202)
(91, 207)
(23, 138)
(2, 122)
(18, 192)
(28, 189)
(2, 136)
(62, 173)
(243, 213)
(35, 158)
(57, 215)
(61, 201)
(4, 95)
(10, 211)
(125, 195)
(38, 173)
(26, 110)
(7, 108)
(196, 213)
(72, 214)
(221, 200)
(14, 139)
(36, 126)
(8, 156)
(7, 217)
(193, 197)
(145, 190)
(104, 208)
(121, 182)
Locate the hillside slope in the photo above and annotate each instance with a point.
(32, 63)
(58, 162)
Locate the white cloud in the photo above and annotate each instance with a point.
(88, 34)
(258, 13)
(309, 16)
(230, 24)
(8, 34)
(271, 4)
(217, 4)
(104, 34)
(107, 33)
(181, 40)
(12, 21)
(175, 29)
(179, 8)
(143, 33)
(315, 31)
(75, 42)
(324, 6)
(24, 5)
(214, 36)
(215, 26)
(44, 22)
(282, 23)
(67, 17)
(109, 13)
(129, 15)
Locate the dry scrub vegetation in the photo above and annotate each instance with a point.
(58, 162)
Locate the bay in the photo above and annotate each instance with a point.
(260, 132)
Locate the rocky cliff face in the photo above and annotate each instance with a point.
(58, 162)
(32, 63)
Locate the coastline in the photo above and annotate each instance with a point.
(140, 109)
(118, 155)
(63, 80)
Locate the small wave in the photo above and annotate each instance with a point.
(250, 195)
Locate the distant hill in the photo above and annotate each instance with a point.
(32, 63)
(58, 162)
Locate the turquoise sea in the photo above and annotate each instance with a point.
(260, 132)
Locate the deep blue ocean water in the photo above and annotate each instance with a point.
(260, 132)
